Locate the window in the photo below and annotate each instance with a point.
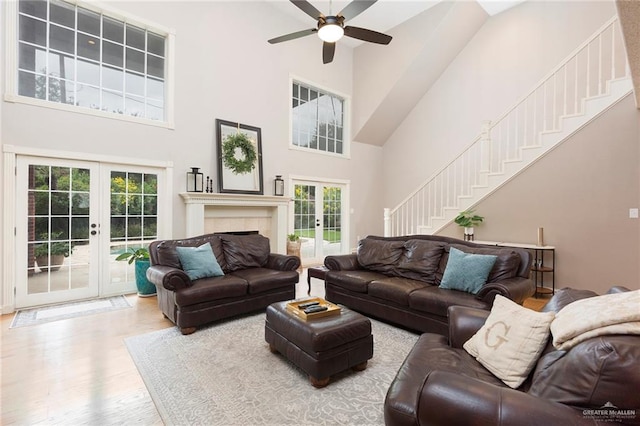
(71, 55)
(318, 119)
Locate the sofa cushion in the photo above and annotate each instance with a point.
(507, 261)
(420, 260)
(168, 256)
(510, 341)
(435, 300)
(590, 374)
(380, 255)
(395, 289)
(245, 251)
(261, 280)
(506, 265)
(209, 289)
(466, 271)
(199, 262)
(357, 281)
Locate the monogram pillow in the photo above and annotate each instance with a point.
(510, 341)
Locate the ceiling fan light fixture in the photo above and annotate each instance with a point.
(330, 33)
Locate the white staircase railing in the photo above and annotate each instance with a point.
(516, 139)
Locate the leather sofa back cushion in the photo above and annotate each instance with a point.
(506, 265)
(420, 260)
(589, 375)
(245, 251)
(168, 255)
(380, 255)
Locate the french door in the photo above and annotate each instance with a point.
(320, 219)
(73, 218)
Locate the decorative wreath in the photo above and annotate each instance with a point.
(239, 140)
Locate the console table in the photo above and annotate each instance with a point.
(539, 267)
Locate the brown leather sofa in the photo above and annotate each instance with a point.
(439, 383)
(253, 279)
(397, 279)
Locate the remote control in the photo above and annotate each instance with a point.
(304, 306)
(313, 309)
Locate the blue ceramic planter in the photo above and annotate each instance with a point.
(145, 288)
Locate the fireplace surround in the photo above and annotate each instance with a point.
(209, 213)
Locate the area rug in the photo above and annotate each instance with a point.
(225, 375)
(51, 313)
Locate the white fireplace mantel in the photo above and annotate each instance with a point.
(198, 203)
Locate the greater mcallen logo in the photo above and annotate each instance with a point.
(609, 412)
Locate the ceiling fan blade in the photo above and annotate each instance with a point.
(367, 35)
(328, 50)
(355, 8)
(308, 8)
(292, 36)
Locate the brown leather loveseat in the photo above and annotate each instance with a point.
(252, 279)
(398, 279)
(594, 382)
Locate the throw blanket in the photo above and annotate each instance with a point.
(617, 313)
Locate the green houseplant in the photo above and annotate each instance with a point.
(50, 256)
(468, 219)
(139, 257)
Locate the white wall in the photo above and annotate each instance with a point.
(224, 69)
(505, 59)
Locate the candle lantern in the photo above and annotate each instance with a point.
(195, 180)
(278, 186)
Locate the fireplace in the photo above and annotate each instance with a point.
(208, 213)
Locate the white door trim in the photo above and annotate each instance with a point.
(10, 153)
(346, 209)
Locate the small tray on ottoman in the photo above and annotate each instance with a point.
(294, 308)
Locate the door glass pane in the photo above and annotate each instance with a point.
(304, 218)
(332, 221)
(134, 206)
(58, 223)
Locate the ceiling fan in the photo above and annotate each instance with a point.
(331, 28)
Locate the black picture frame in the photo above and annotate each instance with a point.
(244, 183)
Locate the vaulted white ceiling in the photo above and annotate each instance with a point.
(382, 16)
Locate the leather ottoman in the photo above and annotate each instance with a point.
(323, 346)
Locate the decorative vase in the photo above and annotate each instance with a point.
(56, 262)
(145, 287)
(468, 234)
(293, 248)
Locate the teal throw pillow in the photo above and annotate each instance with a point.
(467, 272)
(199, 262)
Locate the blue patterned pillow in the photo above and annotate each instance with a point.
(199, 262)
(467, 272)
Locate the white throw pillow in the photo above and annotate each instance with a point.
(510, 341)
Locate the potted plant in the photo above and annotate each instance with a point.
(293, 245)
(468, 219)
(50, 256)
(139, 256)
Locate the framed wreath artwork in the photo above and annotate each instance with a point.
(239, 158)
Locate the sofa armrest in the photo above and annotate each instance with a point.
(464, 322)
(448, 398)
(282, 262)
(517, 289)
(343, 262)
(168, 277)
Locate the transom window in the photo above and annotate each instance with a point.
(317, 119)
(72, 55)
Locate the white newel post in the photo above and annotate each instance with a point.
(387, 222)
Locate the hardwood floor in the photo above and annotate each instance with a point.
(79, 372)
